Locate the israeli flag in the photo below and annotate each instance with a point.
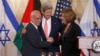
(90, 21)
(8, 29)
(91, 18)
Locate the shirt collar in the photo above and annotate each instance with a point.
(34, 25)
(45, 19)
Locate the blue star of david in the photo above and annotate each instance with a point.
(6, 37)
(95, 30)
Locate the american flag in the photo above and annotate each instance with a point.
(61, 4)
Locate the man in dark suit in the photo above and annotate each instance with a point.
(32, 40)
(53, 28)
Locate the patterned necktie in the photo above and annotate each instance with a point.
(46, 29)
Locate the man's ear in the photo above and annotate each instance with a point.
(42, 12)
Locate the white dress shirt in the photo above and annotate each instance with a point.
(48, 23)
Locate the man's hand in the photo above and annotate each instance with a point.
(23, 31)
(50, 39)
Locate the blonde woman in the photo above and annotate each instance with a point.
(69, 34)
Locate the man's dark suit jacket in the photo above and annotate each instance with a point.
(70, 41)
(32, 43)
(55, 29)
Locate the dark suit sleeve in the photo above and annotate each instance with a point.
(77, 32)
(34, 38)
(55, 30)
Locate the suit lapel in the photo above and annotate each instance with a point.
(42, 32)
(52, 25)
(66, 33)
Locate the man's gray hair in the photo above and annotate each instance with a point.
(33, 13)
(46, 6)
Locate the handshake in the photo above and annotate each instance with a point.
(50, 39)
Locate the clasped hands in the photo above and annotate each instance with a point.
(50, 39)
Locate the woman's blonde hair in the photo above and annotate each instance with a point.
(69, 14)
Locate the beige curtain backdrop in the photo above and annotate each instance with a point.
(18, 6)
